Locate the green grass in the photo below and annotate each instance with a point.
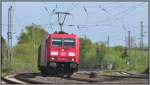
(5, 67)
(25, 64)
(138, 63)
(104, 73)
(20, 64)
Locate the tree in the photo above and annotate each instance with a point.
(119, 48)
(4, 49)
(25, 42)
(4, 59)
(87, 53)
(103, 52)
(26, 51)
(26, 36)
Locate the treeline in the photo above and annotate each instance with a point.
(112, 58)
(103, 58)
(25, 54)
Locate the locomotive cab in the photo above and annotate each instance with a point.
(61, 54)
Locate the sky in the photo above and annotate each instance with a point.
(95, 20)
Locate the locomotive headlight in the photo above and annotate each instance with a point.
(54, 53)
(53, 58)
(72, 59)
(71, 54)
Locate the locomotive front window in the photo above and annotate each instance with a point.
(69, 42)
(56, 42)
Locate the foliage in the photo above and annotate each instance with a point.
(87, 52)
(4, 48)
(4, 59)
(118, 56)
(26, 51)
(119, 48)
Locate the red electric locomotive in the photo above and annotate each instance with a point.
(59, 54)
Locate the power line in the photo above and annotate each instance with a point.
(105, 11)
(50, 14)
(56, 6)
(124, 13)
(78, 5)
(85, 10)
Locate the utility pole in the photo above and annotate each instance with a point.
(129, 45)
(1, 40)
(135, 48)
(97, 56)
(9, 36)
(141, 38)
(33, 40)
(125, 38)
(108, 41)
(61, 22)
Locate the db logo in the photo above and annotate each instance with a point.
(63, 53)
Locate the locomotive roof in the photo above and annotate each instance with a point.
(62, 35)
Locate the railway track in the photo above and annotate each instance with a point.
(28, 78)
(79, 77)
(73, 79)
(124, 74)
(11, 79)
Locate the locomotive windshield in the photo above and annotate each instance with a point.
(63, 42)
(69, 42)
(56, 42)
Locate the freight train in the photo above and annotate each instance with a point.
(59, 54)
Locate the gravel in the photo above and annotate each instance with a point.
(80, 78)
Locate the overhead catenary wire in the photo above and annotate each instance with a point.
(121, 14)
(79, 6)
(50, 14)
(103, 9)
(85, 10)
(93, 26)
